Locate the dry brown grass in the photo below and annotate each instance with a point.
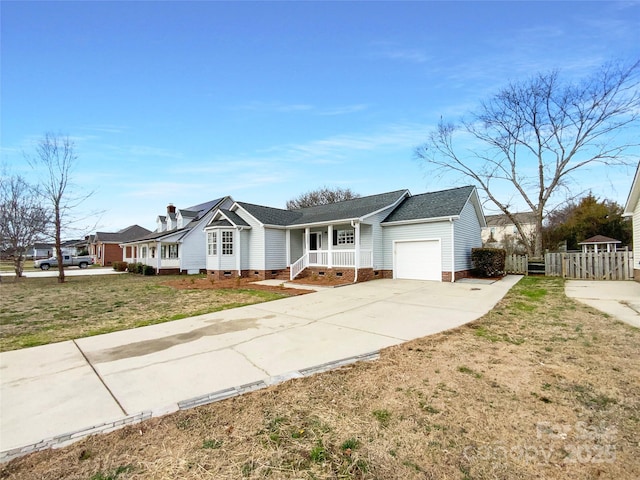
(37, 311)
(541, 387)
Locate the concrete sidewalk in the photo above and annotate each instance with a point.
(68, 272)
(100, 383)
(620, 299)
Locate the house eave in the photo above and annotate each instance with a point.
(634, 195)
(447, 218)
(323, 224)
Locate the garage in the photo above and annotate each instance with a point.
(418, 260)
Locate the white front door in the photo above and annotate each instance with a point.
(417, 260)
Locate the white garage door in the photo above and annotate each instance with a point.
(419, 260)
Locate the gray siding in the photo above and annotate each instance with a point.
(636, 237)
(418, 231)
(467, 235)
(377, 243)
(255, 251)
(297, 245)
(275, 249)
(245, 249)
(193, 248)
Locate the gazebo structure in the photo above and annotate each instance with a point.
(599, 243)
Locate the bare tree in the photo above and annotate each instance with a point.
(321, 196)
(534, 135)
(55, 159)
(23, 219)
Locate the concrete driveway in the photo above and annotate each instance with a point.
(53, 394)
(620, 299)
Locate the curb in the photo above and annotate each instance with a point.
(68, 438)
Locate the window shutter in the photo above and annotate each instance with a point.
(335, 237)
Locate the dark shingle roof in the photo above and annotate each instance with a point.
(348, 209)
(220, 223)
(270, 215)
(188, 213)
(235, 218)
(445, 203)
(345, 210)
(132, 232)
(599, 239)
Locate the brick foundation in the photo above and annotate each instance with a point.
(169, 271)
(282, 274)
(446, 276)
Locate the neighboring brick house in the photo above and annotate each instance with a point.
(105, 246)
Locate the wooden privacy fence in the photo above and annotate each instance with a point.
(590, 266)
(517, 264)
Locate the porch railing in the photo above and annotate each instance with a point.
(339, 258)
(298, 266)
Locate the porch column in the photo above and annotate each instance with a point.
(159, 257)
(287, 245)
(239, 253)
(307, 241)
(330, 246)
(357, 242)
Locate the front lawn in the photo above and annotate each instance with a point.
(540, 387)
(37, 311)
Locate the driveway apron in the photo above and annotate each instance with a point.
(620, 299)
(74, 386)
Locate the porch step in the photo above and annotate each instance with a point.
(283, 275)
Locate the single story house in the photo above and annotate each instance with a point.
(389, 235)
(632, 209)
(105, 247)
(178, 244)
(38, 251)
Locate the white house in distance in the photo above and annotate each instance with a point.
(500, 228)
(632, 209)
(389, 235)
(178, 243)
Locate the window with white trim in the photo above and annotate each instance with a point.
(227, 243)
(143, 252)
(212, 243)
(173, 251)
(346, 237)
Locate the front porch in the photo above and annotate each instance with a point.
(331, 247)
(331, 260)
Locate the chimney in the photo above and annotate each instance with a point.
(171, 208)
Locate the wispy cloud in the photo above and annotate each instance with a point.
(103, 128)
(395, 52)
(276, 107)
(345, 110)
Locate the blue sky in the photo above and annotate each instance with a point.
(183, 102)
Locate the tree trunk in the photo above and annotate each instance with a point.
(59, 247)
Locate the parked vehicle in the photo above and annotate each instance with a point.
(67, 261)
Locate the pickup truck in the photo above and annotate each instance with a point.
(67, 261)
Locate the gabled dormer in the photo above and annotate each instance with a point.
(161, 221)
(184, 217)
